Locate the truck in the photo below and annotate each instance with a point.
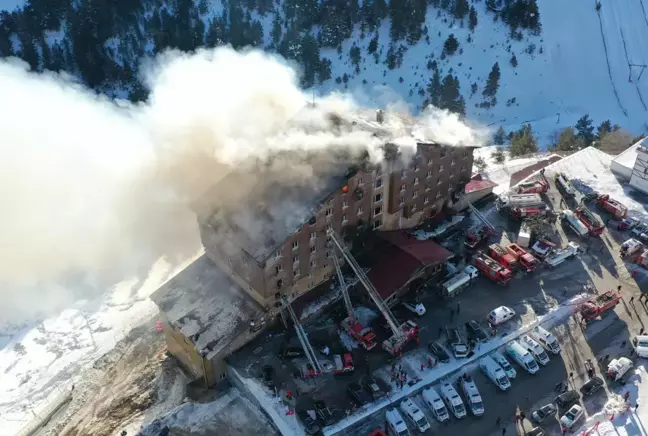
(502, 256)
(522, 205)
(477, 235)
(613, 207)
(457, 343)
(571, 220)
(491, 269)
(533, 187)
(343, 364)
(495, 373)
(594, 226)
(564, 185)
(457, 283)
(594, 307)
(525, 260)
(618, 369)
(524, 235)
(630, 247)
(559, 256)
(471, 394)
(364, 335)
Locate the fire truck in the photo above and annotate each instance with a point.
(502, 256)
(491, 269)
(593, 308)
(616, 209)
(477, 235)
(594, 225)
(523, 205)
(526, 260)
(343, 364)
(534, 187)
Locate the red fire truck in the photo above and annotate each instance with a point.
(491, 269)
(593, 308)
(594, 225)
(476, 236)
(618, 210)
(526, 260)
(364, 335)
(534, 187)
(502, 256)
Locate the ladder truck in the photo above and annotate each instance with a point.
(364, 335)
(401, 334)
(315, 368)
(533, 187)
(594, 226)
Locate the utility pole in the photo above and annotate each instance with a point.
(89, 329)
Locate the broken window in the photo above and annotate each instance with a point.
(313, 249)
(401, 200)
(377, 210)
(377, 224)
(378, 182)
(279, 285)
(378, 197)
(403, 174)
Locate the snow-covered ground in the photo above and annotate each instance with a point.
(39, 362)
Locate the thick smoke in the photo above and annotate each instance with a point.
(100, 189)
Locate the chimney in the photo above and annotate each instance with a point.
(380, 116)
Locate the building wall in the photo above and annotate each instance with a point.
(639, 178)
(185, 351)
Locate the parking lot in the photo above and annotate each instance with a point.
(530, 296)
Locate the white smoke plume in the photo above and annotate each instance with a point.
(101, 189)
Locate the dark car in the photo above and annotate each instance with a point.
(324, 414)
(476, 332)
(567, 399)
(358, 395)
(440, 352)
(373, 387)
(593, 385)
(291, 352)
(537, 431)
(310, 424)
(268, 376)
(543, 413)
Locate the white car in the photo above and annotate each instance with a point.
(574, 413)
(416, 308)
(500, 315)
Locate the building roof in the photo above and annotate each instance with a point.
(427, 252)
(478, 183)
(518, 176)
(206, 306)
(392, 271)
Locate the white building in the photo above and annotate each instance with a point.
(622, 165)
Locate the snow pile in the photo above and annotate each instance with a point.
(422, 235)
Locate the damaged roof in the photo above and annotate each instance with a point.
(426, 252)
(206, 306)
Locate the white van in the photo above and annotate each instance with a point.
(435, 403)
(416, 308)
(494, 372)
(414, 414)
(522, 357)
(472, 396)
(641, 345)
(395, 424)
(452, 400)
(546, 339)
(536, 350)
(506, 366)
(500, 315)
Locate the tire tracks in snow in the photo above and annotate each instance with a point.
(625, 50)
(607, 60)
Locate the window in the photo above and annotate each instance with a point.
(359, 180)
(329, 212)
(377, 224)
(296, 258)
(438, 182)
(402, 188)
(416, 180)
(313, 235)
(401, 200)
(465, 153)
(278, 268)
(438, 195)
(452, 176)
(453, 162)
(429, 174)
(463, 168)
(360, 210)
(379, 170)
(413, 208)
(345, 204)
(378, 197)
(344, 219)
(313, 249)
(377, 210)
(278, 255)
(415, 193)
(403, 174)
(313, 264)
(378, 182)
(426, 200)
(295, 245)
(416, 167)
(440, 168)
(430, 160)
(328, 254)
(295, 272)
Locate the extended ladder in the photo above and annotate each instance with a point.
(303, 338)
(343, 287)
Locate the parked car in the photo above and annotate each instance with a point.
(500, 315)
(440, 352)
(639, 230)
(324, 414)
(593, 385)
(476, 332)
(291, 352)
(628, 224)
(268, 376)
(373, 387)
(536, 431)
(309, 420)
(567, 399)
(574, 413)
(358, 395)
(543, 413)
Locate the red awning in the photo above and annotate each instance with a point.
(392, 271)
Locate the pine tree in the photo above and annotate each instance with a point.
(492, 84)
(373, 45)
(450, 45)
(499, 137)
(514, 61)
(276, 31)
(434, 89)
(480, 164)
(354, 54)
(523, 142)
(498, 155)
(451, 97)
(472, 18)
(568, 140)
(585, 129)
(461, 8)
(603, 129)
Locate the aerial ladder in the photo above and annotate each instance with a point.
(364, 335)
(482, 218)
(401, 334)
(303, 339)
